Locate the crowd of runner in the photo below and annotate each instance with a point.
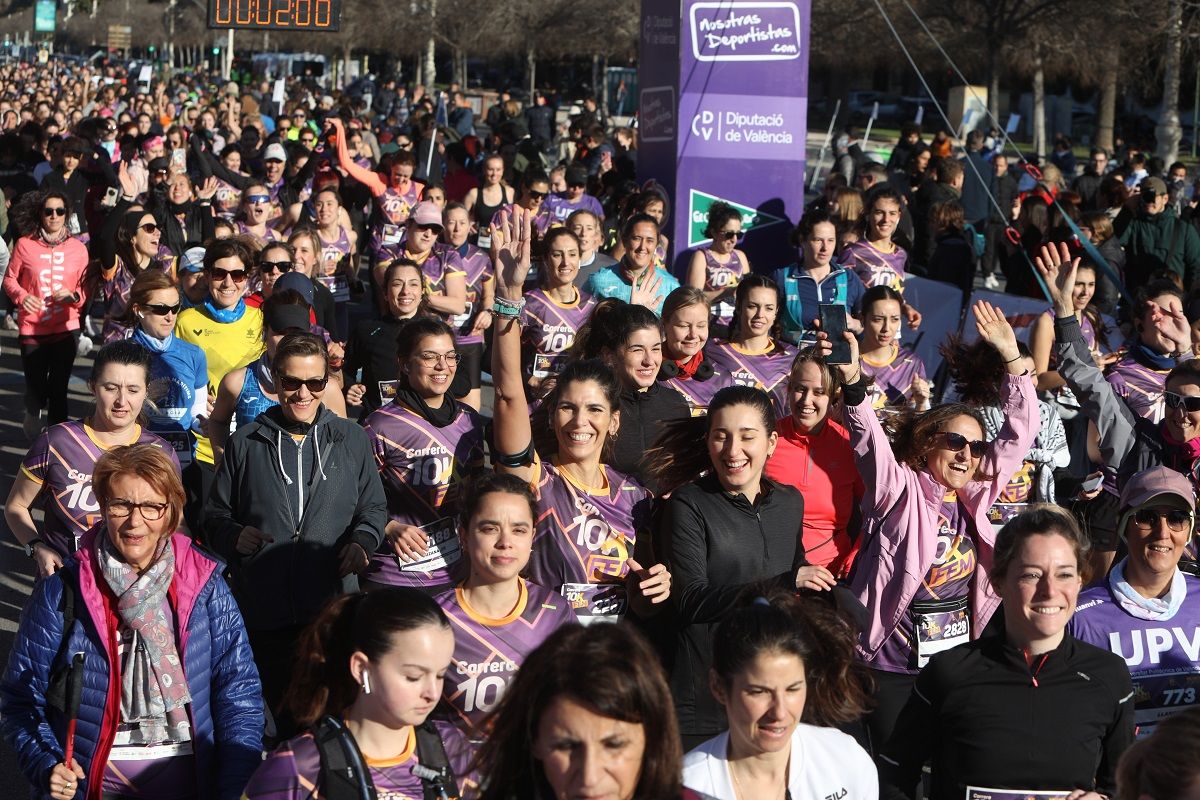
(423, 464)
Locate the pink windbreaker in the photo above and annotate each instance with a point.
(899, 539)
(37, 268)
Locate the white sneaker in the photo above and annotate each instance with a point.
(990, 282)
(84, 346)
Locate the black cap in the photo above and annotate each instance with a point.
(576, 176)
(281, 319)
(160, 164)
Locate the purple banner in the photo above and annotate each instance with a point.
(737, 82)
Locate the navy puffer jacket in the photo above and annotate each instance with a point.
(226, 709)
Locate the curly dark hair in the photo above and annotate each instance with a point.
(914, 434)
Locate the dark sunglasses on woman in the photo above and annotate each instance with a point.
(955, 442)
(54, 211)
(291, 384)
(1188, 402)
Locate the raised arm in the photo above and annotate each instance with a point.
(367, 177)
(1115, 423)
(512, 433)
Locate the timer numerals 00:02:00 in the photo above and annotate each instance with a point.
(284, 14)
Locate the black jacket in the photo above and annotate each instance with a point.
(372, 348)
(716, 546)
(642, 415)
(986, 721)
(312, 498)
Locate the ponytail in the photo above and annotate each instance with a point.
(366, 622)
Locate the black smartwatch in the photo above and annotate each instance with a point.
(32, 544)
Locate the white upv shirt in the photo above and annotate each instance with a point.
(825, 763)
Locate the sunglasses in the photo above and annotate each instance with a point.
(428, 228)
(276, 266)
(732, 235)
(404, 145)
(314, 385)
(1177, 519)
(577, 185)
(1187, 402)
(161, 309)
(57, 211)
(258, 198)
(955, 442)
(538, 195)
(148, 227)
(216, 274)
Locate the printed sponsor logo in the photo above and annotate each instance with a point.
(745, 31)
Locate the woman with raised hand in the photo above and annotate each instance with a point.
(59, 464)
(784, 671)
(498, 616)
(755, 354)
(134, 249)
(1029, 708)
(729, 528)
(371, 669)
(425, 444)
(927, 539)
(814, 455)
(1129, 442)
(592, 520)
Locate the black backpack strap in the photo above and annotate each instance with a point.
(56, 691)
(344, 774)
(437, 776)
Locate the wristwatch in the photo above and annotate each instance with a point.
(32, 544)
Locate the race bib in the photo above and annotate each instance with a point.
(1157, 697)
(979, 793)
(725, 310)
(596, 602)
(940, 626)
(338, 286)
(484, 241)
(392, 233)
(545, 365)
(443, 549)
(459, 321)
(387, 390)
(1001, 513)
(181, 443)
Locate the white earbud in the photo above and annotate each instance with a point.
(366, 684)
(141, 315)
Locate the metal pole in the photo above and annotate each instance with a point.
(229, 55)
(825, 145)
(1196, 110)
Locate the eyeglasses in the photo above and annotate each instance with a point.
(54, 211)
(216, 274)
(1187, 402)
(258, 198)
(315, 385)
(430, 358)
(148, 227)
(955, 442)
(1177, 519)
(276, 266)
(537, 195)
(161, 309)
(299, 115)
(732, 235)
(151, 512)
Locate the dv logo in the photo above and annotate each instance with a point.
(702, 125)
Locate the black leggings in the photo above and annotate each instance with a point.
(892, 690)
(47, 366)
